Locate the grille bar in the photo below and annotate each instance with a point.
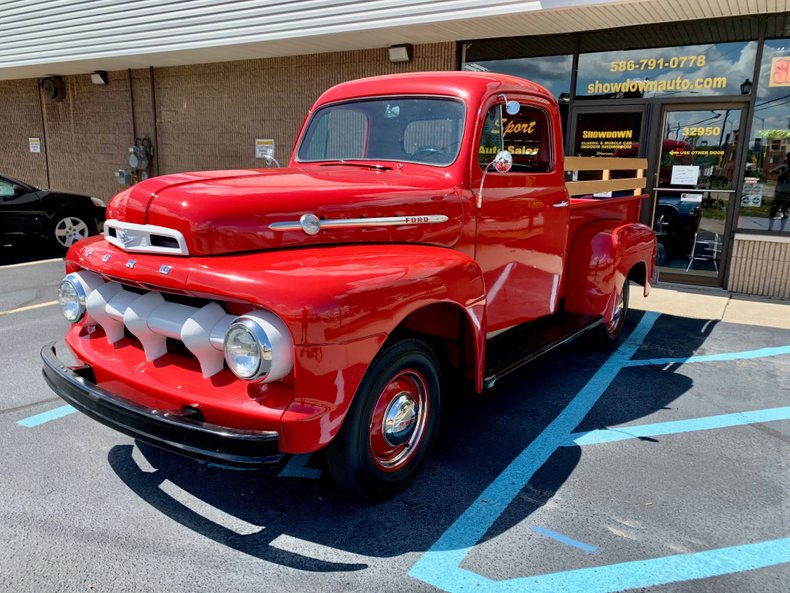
(152, 320)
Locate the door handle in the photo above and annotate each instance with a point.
(561, 204)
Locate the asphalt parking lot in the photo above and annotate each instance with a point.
(660, 467)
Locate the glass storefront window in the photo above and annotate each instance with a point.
(552, 72)
(713, 69)
(608, 134)
(694, 187)
(765, 195)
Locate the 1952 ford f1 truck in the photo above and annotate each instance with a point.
(423, 230)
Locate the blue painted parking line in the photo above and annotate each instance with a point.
(590, 549)
(639, 574)
(46, 416)
(297, 468)
(611, 435)
(723, 357)
(440, 566)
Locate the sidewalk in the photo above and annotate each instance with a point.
(712, 303)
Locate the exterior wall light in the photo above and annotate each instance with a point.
(99, 77)
(746, 87)
(400, 53)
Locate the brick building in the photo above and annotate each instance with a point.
(203, 80)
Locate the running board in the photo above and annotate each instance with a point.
(513, 349)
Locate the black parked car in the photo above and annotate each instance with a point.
(61, 218)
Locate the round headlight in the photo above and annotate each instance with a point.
(247, 350)
(71, 297)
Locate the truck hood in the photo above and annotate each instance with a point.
(221, 212)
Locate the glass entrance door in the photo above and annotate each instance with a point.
(695, 190)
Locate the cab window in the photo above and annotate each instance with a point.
(524, 135)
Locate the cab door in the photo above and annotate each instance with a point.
(522, 221)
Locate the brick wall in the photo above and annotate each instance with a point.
(20, 119)
(88, 134)
(760, 266)
(208, 116)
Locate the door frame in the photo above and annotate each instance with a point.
(664, 105)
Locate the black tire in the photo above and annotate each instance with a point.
(69, 226)
(371, 458)
(608, 334)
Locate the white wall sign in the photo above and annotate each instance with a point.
(752, 195)
(34, 144)
(685, 175)
(264, 148)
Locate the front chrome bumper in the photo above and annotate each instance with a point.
(167, 430)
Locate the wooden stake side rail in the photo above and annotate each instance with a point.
(606, 165)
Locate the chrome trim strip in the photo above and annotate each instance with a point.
(350, 223)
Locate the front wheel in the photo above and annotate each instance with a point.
(391, 423)
(609, 331)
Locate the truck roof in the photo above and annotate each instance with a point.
(469, 86)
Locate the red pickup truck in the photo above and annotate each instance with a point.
(423, 230)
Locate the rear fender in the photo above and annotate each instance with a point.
(602, 257)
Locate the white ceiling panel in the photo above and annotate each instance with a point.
(75, 36)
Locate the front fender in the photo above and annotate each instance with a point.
(601, 258)
(341, 304)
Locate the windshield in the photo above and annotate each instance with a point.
(407, 129)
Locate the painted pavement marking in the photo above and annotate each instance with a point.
(724, 357)
(611, 435)
(297, 468)
(45, 417)
(28, 308)
(31, 263)
(590, 549)
(440, 565)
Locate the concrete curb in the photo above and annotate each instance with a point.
(712, 303)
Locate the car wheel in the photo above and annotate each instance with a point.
(391, 423)
(70, 227)
(609, 332)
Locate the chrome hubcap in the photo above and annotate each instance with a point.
(400, 419)
(618, 313)
(70, 230)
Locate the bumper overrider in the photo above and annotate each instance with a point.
(167, 430)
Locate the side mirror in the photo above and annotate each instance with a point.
(512, 107)
(503, 161)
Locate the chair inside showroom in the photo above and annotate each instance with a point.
(707, 248)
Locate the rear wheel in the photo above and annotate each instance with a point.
(70, 227)
(391, 423)
(609, 332)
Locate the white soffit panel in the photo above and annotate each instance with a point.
(76, 36)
